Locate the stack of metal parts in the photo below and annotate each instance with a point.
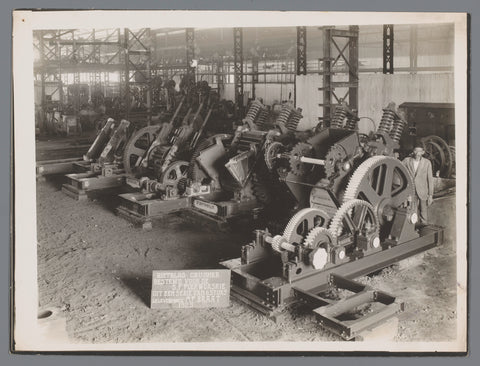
(355, 214)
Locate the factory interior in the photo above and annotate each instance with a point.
(275, 155)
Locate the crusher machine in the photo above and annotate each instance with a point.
(157, 158)
(102, 166)
(234, 170)
(355, 215)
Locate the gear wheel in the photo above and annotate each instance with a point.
(271, 152)
(320, 241)
(174, 174)
(318, 236)
(355, 217)
(384, 182)
(136, 148)
(302, 222)
(299, 150)
(276, 243)
(335, 155)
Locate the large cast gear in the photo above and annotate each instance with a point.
(304, 221)
(385, 183)
(136, 148)
(301, 149)
(356, 217)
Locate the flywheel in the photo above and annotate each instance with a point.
(136, 148)
(440, 154)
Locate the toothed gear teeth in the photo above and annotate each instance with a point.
(336, 226)
(277, 242)
(271, 152)
(359, 175)
(290, 233)
(314, 234)
(299, 150)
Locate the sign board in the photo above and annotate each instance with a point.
(190, 289)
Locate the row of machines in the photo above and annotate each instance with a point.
(329, 205)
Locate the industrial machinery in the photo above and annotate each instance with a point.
(157, 158)
(431, 125)
(355, 215)
(237, 170)
(102, 167)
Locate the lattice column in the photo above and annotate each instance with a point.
(220, 77)
(388, 48)
(238, 68)
(301, 51)
(339, 44)
(254, 75)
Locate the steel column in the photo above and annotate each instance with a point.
(190, 51)
(339, 44)
(238, 68)
(413, 47)
(327, 76)
(301, 51)
(220, 77)
(353, 69)
(254, 74)
(388, 48)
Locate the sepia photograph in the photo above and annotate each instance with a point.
(240, 181)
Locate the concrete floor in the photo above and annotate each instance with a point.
(95, 269)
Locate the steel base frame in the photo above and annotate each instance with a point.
(220, 214)
(81, 185)
(60, 166)
(260, 285)
(141, 209)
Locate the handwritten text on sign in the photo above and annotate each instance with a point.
(190, 289)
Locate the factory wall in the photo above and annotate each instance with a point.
(375, 92)
(269, 92)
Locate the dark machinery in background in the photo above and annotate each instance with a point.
(431, 125)
(355, 214)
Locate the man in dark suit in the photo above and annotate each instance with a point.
(420, 169)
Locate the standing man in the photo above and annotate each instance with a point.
(420, 169)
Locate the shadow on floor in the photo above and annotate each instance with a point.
(140, 286)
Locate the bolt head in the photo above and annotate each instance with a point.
(341, 254)
(376, 242)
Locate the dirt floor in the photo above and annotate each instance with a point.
(95, 267)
